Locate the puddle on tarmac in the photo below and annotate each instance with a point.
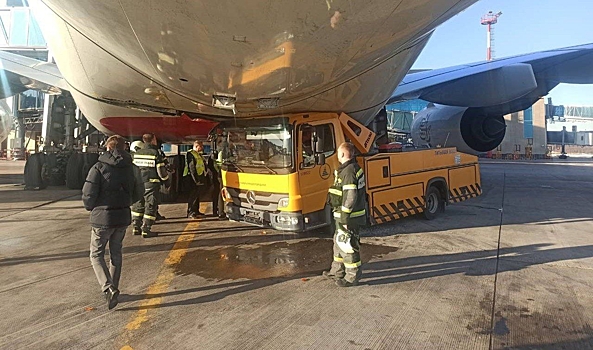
(281, 259)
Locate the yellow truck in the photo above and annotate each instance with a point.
(277, 171)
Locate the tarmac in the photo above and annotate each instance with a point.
(511, 269)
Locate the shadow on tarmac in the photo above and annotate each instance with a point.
(230, 288)
(478, 263)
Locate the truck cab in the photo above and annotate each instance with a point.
(277, 171)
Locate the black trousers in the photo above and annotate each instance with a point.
(193, 201)
(217, 203)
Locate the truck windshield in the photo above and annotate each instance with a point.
(265, 147)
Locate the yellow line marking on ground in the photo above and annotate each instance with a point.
(163, 280)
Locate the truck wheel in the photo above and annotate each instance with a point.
(434, 204)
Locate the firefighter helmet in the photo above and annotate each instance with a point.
(136, 145)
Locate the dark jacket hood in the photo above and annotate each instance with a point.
(116, 158)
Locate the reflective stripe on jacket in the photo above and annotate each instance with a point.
(348, 194)
(151, 164)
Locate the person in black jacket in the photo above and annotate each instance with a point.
(111, 186)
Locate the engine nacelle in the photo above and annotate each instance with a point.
(469, 129)
(5, 120)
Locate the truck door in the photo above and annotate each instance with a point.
(316, 178)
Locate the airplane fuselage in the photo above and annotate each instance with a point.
(220, 60)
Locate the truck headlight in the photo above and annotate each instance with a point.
(283, 203)
(287, 220)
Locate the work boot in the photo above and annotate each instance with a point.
(330, 276)
(111, 295)
(197, 215)
(147, 233)
(343, 283)
(137, 231)
(160, 217)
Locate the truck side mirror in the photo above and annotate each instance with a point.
(320, 159)
(318, 137)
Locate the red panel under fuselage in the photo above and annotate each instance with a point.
(167, 129)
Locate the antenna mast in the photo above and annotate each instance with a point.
(490, 19)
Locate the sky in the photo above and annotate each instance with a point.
(525, 26)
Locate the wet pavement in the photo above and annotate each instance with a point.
(304, 258)
(512, 269)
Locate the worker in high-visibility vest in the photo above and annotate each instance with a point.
(196, 174)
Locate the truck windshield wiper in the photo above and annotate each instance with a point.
(234, 164)
(270, 169)
(262, 163)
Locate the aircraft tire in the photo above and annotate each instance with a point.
(74, 179)
(54, 178)
(89, 160)
(36, 172)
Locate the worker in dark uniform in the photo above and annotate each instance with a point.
(348, 201)
(214, 180)
(170, 170)
(215, 165)
(196, 174)
(136, 145)
(152, 165)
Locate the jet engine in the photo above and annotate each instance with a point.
(5, 120)
(471, 130)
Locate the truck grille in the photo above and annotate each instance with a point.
(263, 200)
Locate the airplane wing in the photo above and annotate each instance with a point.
(500, 86)
(19, 73)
